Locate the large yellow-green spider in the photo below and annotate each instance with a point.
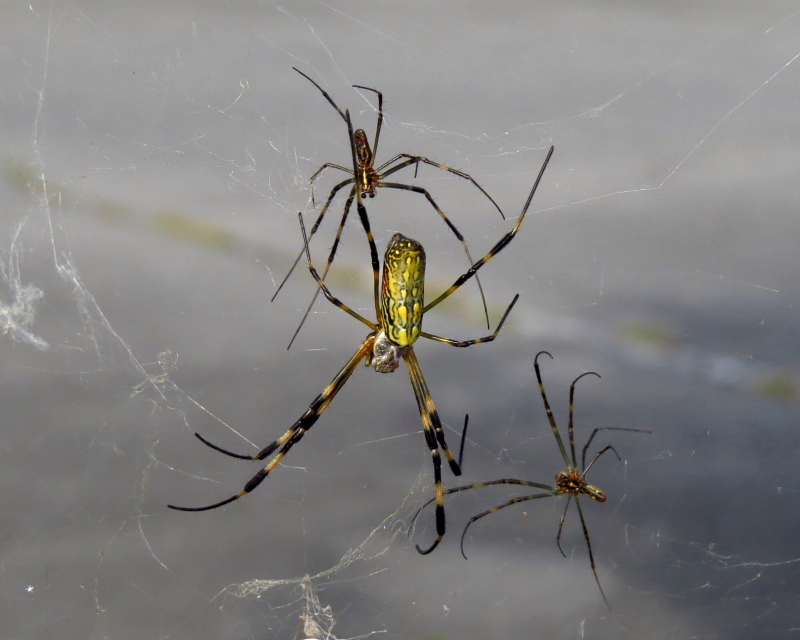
(400, 308)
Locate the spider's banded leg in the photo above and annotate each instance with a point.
(405, 163)
(293, 434)
(417, 159)
(427, 407)
(373, 253)
(571, 426)
(467, 343)
(456, 232)
(314, 228)
(333, 299)
(478, 485)
(594, 433)
(348, 203)
(591, 555)
(503, 506)
(362, 215)
(549, 410)
(434, 437)
(354, 154)
(498, 247)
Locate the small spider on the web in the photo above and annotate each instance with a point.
(571, 482)
(366, 179)
(400, 307)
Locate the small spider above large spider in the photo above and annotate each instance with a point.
(400, 308)
(366, 179)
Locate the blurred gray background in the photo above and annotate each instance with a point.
(154, 160)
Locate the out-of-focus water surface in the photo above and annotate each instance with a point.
(155, 159)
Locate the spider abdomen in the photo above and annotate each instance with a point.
(403, 290)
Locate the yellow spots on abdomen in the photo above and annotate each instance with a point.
(403, 290)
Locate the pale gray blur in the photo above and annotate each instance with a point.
(154, 163)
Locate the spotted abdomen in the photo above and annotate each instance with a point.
(403, 290)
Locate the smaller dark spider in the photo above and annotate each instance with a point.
(571, 482)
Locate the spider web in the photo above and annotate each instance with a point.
(155, 160)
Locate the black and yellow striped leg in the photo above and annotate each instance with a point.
(425, 401)
(467, 343)
(373, 253)
(331, 298)
(434, 437)
(293, 435)
(498, 247)
(442, 214)
(549, 410)
(561, 523)
(347, 205)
